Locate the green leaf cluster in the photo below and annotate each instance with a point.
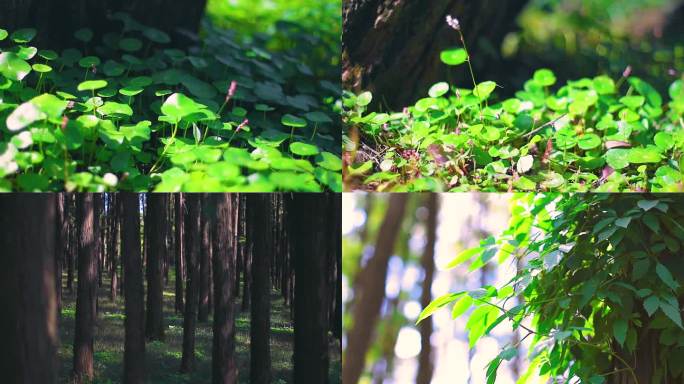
(591, 134)
(600, 274)
(135, 113)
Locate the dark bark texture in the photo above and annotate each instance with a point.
(156, 252)
(192, 283)
(391, 48)
(28, 325)
(86, 291)
(260, 328)
(224, 367)
(312, 247)
(57, 20)
(134, 344)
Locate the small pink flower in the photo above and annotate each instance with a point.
(231, 90)
(453, 23)
(627, 71)
(242, 125)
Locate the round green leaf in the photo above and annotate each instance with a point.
(293, 121)
(130, 44)
(484, 89)
(25, 35)
(645, 155)
(84, 35)
(3, 34)
(89, 61)
(13, 67)
(456, 56)
(303, 149)
(41, 68)
(91, 85)
(588, 141)
(663, 140)
(178, 106)
(544, 77)
(438, 89)
(364, 99)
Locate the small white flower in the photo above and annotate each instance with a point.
(453, 23)
(110, 179)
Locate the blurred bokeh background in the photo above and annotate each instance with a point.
(394, 352)
(579, 38)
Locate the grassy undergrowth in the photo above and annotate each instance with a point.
(591, 134)
(163, 358)
(133, 112)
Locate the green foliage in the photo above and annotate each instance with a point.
(590, 134)
(599, 275)
(131, 112)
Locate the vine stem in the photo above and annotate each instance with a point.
(166, 147)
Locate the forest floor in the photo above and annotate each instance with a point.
(163, 358)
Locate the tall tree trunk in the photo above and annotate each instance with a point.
(156, 218)
(312, 247)
(427, 261)
(28, 325)
(247, 250)
(134, 345)
(97, 243)
(392, 47)
(61, 242)
(73, 242)
(204, 257)
(370, 291)
(57, 21)
(114, 225)
(191, 299)
(224, 367)
(259, 225)
(179, 243)
(87, 291)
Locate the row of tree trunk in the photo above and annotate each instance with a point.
(221, 247)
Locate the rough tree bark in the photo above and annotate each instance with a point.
(57, 20)
(427, 261)
(192, 284)
(204, 257)
(156, 215)
(28, 325)
(313, 249)
(370, 291)
(259, 225)
(61, 242)
(179, 243)
(134, 344)
(86, 291)
(114, 226)
(224, 367)
(392, 47)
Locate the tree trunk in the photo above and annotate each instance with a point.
(134, 347)
(191, 299)
(370, 291)
(61, 242)
(427, 261)
(28, 326)
(224, 367)
(247, 251)
(179, 243)
(205, 256)
(156, 218)
(87, 291)
(312, 248)
(259, 225)
(391, 48)
(115, 224)
(56, 21)
(72, 254)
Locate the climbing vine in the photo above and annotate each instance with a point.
(597, 291)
